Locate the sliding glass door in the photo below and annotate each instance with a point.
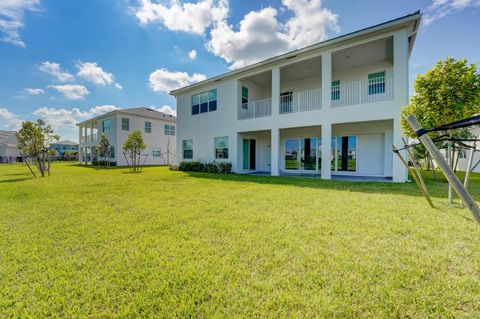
(301, 154)
(344, 150)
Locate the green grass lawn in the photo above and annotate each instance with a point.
(90, 243)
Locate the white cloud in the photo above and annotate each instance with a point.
(261, 35)
(102, 109)
(95, 74)
(192, 54)
(60, 117)
(163, 80)
(71, 92)
(12, 14)
(55, 70)
(165, 109)
(63, 120)
(9, 120)
(441, 8)
(34, 91)
(187, 17)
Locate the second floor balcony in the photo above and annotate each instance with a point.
(375, 89)
(355, 75)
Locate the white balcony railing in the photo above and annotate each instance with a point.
(254, 109)
(301, 101)
(365, 91)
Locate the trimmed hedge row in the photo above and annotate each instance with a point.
(206, 167)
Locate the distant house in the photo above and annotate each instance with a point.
(462, 157)
(8, 147)
(64, 146)
(158, 130)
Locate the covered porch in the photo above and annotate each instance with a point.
(353, 151)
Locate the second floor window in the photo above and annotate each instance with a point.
(335, 90)
(148, 127)
(376, 83)
(244, 97)
(169, 130)
(107, 126)
(286, 99)
(125, 124)
(204, 102)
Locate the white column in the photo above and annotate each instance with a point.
(400, 71)
(275, 91)
(400, 66)
(80, 158)
(275, 150)
(79, 135)
(326, 150)
(326, 80)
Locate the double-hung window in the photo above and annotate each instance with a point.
(187, 146)
(156, 152)
(169, 130)
(221, 147)
(148, 127)
(376, 83)
(125, 124)
(107, 126)
(204, 102)
(336, 90)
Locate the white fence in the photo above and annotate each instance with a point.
(365, 91)
(254, 109)
(301, 101)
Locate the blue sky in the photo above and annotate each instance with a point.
(65, 61)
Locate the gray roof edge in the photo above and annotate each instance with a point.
(125, 111)
(384, 25)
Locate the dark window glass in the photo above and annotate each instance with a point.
(187, 154)
(212, 106)
(203, 107)
(195, 109)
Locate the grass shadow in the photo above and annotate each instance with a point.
(437, 189)
(14, 180)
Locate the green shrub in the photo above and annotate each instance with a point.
(207, 167)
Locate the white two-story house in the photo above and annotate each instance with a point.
(331, 109)
(158, 131)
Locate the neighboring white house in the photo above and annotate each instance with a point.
(338, 100)
(8, 147)
(463, 155)
(158, 131)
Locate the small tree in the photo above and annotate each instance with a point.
(447, 93)
(33, 141)
(103, 150)
(134, 146)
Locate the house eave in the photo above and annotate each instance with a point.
(385, 26)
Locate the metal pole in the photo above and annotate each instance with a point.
(422, 189)
(417, 169)
(469, 165)
(449, 160)
(447, 170)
